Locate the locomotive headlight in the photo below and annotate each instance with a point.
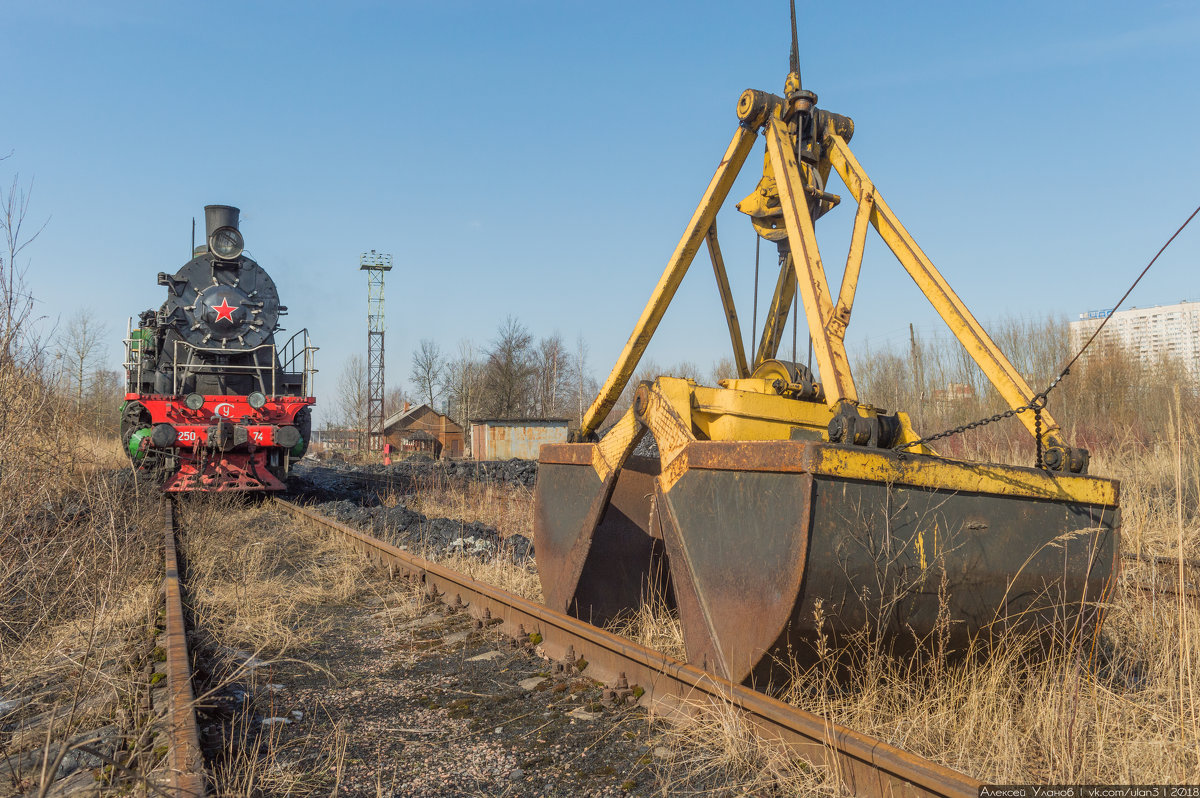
(256, 400)
(226, 243)
(194, 401)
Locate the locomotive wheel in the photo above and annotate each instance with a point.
(133, 418)
(304, 424)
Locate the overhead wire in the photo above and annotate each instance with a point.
(1125, 296)
(1038, 402)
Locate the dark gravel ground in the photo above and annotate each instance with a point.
(336, 493)
(400, 697)
(429, 706)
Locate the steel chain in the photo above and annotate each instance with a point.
(1036, 404)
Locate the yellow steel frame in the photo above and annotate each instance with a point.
(678, 412)
(693, 235)
(742, 409)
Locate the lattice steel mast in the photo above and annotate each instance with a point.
(375, 264)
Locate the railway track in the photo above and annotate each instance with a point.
(184, 760)
(865, 765)
(1170, 572)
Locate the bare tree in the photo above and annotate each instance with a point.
(509, 371)
(352, 398)
(428, 366)
(722, 369)
(581, 390)
(102, 403)
(393, 401)
(464, 378)
(16, 303)
(552, 364)
(81, 350)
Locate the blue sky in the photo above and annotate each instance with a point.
(540, 159)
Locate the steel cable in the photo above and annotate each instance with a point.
(1038, 402)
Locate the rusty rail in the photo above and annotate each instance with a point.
(865, 765)
(1159, 559)
(183, 759)
(1169, 573)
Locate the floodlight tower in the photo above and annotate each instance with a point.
(375, 264)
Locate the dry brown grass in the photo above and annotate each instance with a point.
(499, 570)
(654, 625)
(262, 762)
(253, 574)
(79, 570)
(260, 585)
(508, 508)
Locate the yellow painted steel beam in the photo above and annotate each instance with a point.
(992, 361)
(958, 475)
(613, 450)
(677, 411)
(858, 239)
(677, 266)
(777, 313)
(735, 329)
(665, 408)
(810, 274)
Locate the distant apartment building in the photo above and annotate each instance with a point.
(1164, 331)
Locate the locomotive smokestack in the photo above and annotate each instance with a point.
(216, 216)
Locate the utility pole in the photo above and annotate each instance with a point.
(917, 367)
(375, 264)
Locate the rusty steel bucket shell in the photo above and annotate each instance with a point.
(596, 569)
(774, 545)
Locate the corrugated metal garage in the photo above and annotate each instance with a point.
(503, 439)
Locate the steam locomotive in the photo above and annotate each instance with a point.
(211, 402)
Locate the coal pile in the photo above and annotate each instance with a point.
(428, 537)
(510, 472)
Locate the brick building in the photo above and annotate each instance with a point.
(423, 429)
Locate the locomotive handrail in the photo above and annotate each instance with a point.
(289, 352)
(201, 368)
(283, 360)
(131, 364)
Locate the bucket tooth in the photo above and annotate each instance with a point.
(595, 554)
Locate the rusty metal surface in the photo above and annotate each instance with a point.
(596, 557)
(504, 440)
(562, 503)
(184, 758)
(866, 766)
(624, 563)
(737, 545)
(760, 549)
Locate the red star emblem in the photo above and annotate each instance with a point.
(225, 310)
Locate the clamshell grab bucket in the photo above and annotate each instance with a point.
(787, 515)
(773, 546)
